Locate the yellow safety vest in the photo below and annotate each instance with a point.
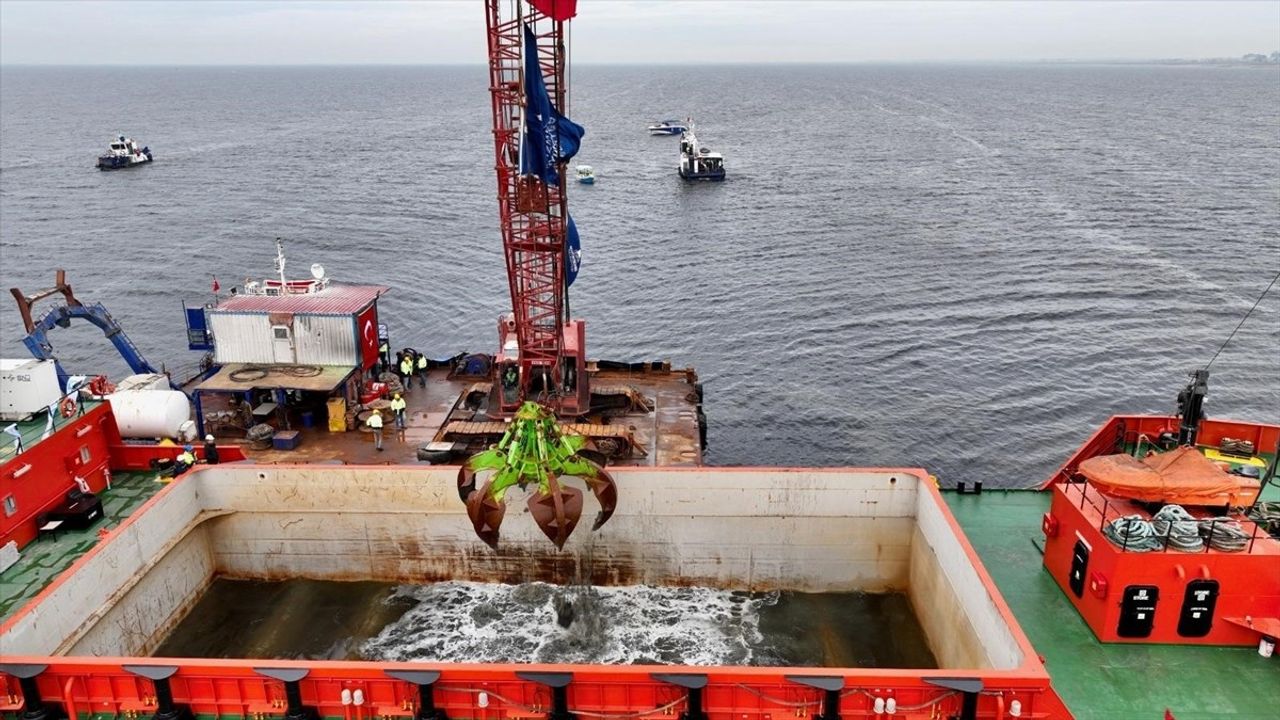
(374, 421)
(398, 404)
(406, 367)
(422, 362)
(187, 458)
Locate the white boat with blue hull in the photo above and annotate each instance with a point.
(586, 175)
(122, 153)
(667, 127)
(698, 162)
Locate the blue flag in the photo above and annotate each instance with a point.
(574, 260)
(549, 137)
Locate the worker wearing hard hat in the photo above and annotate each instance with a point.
(398, 406)
(210, 451)
(406, 371)
(185, 460)
(375, 424)
(422, 370)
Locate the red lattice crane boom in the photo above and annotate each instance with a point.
(541, 352)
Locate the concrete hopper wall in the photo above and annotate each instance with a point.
(116, 581)
(808, 530)
(954, 606)
(739, 529)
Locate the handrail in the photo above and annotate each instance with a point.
(14, 445)
(1108, 512)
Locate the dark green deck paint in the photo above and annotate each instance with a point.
(1097, 681)
(45, 558)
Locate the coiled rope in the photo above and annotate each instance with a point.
(1224, 535)
(1177, 529)
(1132, 532)
(1267, 515)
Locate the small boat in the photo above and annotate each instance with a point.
(698, 162)
(123, 153)
(667, 127)
(586, 175)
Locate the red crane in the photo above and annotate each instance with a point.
(541, 352)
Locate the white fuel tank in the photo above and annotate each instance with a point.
(151, 413)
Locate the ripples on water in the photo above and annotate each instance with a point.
(961, 267)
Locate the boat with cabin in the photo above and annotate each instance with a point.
(698, 162)
(586, 175)
(667, 127)
(123, 152)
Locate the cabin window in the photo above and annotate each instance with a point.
(280, 332)
(10, 505)
(84, 455)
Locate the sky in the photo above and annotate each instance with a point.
(339, 32)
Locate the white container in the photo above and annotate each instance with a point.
(1266, 647)
(143, 381)
(27, 387)
(150, 413)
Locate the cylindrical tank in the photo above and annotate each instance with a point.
(150, 413)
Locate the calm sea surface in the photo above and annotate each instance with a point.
(961, 267)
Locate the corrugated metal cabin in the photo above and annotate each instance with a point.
(329, 327)
(282, 353)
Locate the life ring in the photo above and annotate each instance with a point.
(100, 386)
(67, 408)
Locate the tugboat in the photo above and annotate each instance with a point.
(667, 127)
(123, 153)
(586, 175)
(698, 162)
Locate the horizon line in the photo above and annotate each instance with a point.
(967, 61)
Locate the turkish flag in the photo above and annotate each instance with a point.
(556, 9)
(216, 286)
(367, 327)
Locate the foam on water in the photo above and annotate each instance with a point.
(498, 623)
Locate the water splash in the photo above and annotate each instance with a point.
(498, 623)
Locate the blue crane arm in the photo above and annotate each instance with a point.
(37, 341)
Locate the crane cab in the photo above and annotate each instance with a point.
(569, 395)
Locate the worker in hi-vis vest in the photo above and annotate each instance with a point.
(406, 372)
(397, 408)
(375, 424)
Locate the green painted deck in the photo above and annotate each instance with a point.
(45, 558)
(34, 429)
(1097, 681)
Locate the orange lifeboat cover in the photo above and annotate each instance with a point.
(1182, 476)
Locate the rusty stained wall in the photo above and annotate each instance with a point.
(751, 529)
(736, 529)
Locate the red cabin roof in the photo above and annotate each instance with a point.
(333, 300)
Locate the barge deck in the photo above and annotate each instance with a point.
(665, 432)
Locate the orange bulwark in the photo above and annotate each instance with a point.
(1150, 591)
